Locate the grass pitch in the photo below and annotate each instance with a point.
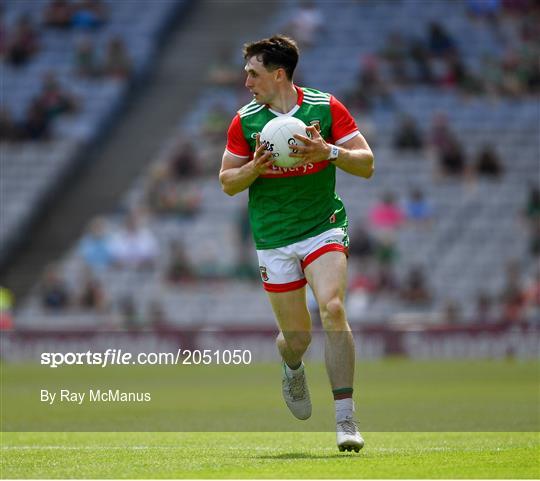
(268, 455)
(473, 419)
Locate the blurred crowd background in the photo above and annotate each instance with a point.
(447, 232)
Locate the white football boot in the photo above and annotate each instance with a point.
(348, 436)
(296, 392)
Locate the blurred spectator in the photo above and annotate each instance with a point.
(306, 24)
(512, 296)
(417, 207)
(488, 164)
(53, 99)
(420, 56)
(129, 315)
(534, 240)
(165, 196)
(6, 309)
(415, 290)
(183, 161)
(58, 14)
(372, 89)
(86, 64)
(36, 124)
(54, 292)
(491, 78)
(360, 291)
(117, 62)
(94, 247)
(531, 211)
(457, 75)
(386, 215)
(3, 34)
(386, 252)
(395, 53)
(531, 215)
(484, 8)
(452, 160)
(156, 316)
(513, 83)
(441, 135)
(215, 123)
(9, 130)
(179, 268)
(483, 309)
(439, 40)
(89, 14)
(408, 135)
(224, 73)
(23, 43)
(92, 295)
(362, 245)
(246, 268)
(134, 245)
(451, 313)
(531, 295)
(385, 280)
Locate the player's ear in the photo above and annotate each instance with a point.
(281, 75)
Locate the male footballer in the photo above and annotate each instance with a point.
(299, 223)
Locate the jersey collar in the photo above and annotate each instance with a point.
(290, 113)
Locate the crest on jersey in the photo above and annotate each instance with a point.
(264, 274)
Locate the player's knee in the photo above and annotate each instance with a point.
(333, 313)
(299, 342)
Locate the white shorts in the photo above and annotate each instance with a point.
(282, 269)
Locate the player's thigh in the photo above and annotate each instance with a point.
(327, 276)
(290, 310)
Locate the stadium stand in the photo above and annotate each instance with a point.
(461, 259)
(48, 156)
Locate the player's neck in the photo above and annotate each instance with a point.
(286, 99)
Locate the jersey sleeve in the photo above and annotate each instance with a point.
(236, 142)
(343, 125)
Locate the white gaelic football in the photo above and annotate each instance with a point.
(278, 134)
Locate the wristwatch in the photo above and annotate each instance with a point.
(334, 152)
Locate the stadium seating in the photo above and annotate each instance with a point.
(476, 228)
(31, 170)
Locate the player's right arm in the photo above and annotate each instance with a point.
(238, 172)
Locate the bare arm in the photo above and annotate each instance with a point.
(354, 156)
(238, 173)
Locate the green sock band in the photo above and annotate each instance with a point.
(343, 393)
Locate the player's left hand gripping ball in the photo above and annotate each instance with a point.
(315, 149)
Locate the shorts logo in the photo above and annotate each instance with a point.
(332, 219)
(264, 274)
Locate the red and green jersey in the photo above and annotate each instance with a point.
(293, 204)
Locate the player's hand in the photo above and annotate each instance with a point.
(315, 149)
(262, 159)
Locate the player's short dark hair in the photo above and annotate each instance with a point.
(275, 52)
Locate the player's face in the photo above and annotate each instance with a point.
(260, 82)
